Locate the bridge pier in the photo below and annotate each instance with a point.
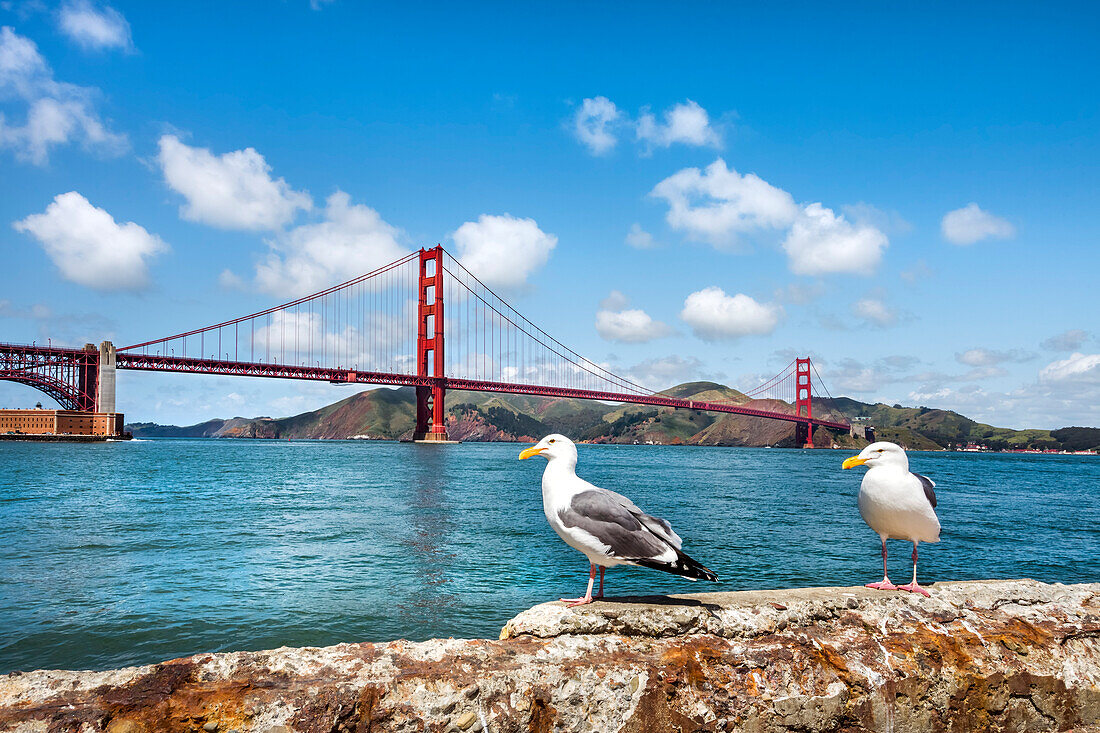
(431, 426)
(105, 395)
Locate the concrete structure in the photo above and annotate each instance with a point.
(105, 398)
(60, 422)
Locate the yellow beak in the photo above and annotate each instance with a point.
(528, 452)
(853, 462)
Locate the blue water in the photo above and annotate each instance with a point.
(124, 553)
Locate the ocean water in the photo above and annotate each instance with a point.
(125, 553)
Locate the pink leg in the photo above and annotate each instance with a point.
(600, 594)
(913, 587)
(885, 584)
(570, 602)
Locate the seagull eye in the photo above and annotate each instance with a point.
(553, 441)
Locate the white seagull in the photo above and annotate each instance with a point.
(607, 527)
(896, 503)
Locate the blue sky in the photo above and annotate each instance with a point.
(907, 193)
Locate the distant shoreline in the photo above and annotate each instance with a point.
(51, 438)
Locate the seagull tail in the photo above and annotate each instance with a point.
(682, 565)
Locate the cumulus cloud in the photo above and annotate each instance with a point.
(93, 27)
(639, 238)
(1077, 369)
(717, 204)
(353, 239)
(598, 122)
(56, 113)
(820, 242)
(89, 247)
(971, 224)
(875, 312)
(230, 191)
(616, 322)
(991, 357)
(1066, 341)
(686, 123)
(594, 124)
(713, 315)
(503, 250)
(1065, 393)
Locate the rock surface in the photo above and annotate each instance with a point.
(976, 656)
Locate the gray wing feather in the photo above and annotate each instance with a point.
(606, 517)
(928, 485)
(658, 526)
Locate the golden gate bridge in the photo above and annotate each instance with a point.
(422, 321)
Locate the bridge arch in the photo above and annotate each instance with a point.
(61, 393)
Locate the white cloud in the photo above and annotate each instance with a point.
(1066, 341)
(94, 27)
(230, 191)
(874, 311)
(716, 204)
(639, 238)
(685, 123)
(990, 357)
(820, 242)
(89, 247)
(56, 113)
(615, 322)
(971, 224)
(594, 124)
(352, 240)
(503, 250)
(713, 315)
(1077, 369)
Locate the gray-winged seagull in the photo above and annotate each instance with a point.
(607, 527)
(896, 503)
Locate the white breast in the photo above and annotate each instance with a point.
(893, 504)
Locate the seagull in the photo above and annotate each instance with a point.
(607, 527)
(896, 503)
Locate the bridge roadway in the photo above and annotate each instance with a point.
(158, 363)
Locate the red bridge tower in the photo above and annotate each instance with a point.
(430, 423)
(803, 405)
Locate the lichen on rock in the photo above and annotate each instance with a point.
(976, 656)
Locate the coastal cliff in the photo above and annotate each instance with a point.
(976, 656)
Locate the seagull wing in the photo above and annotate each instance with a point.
(629, 533)
(658, 526)
(928, 485)
(604, 515)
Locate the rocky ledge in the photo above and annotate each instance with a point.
(977, 656)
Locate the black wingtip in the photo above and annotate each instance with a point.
(682, 565)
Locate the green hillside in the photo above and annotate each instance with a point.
(389, 414)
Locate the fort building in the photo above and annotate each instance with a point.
(60, 422)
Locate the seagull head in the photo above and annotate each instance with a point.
(553, 447)
(881, 453)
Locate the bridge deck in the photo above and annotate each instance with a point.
(148, 362)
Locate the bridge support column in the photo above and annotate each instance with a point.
(105, 396)
(431, 426)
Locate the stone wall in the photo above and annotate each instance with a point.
(977, 656)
